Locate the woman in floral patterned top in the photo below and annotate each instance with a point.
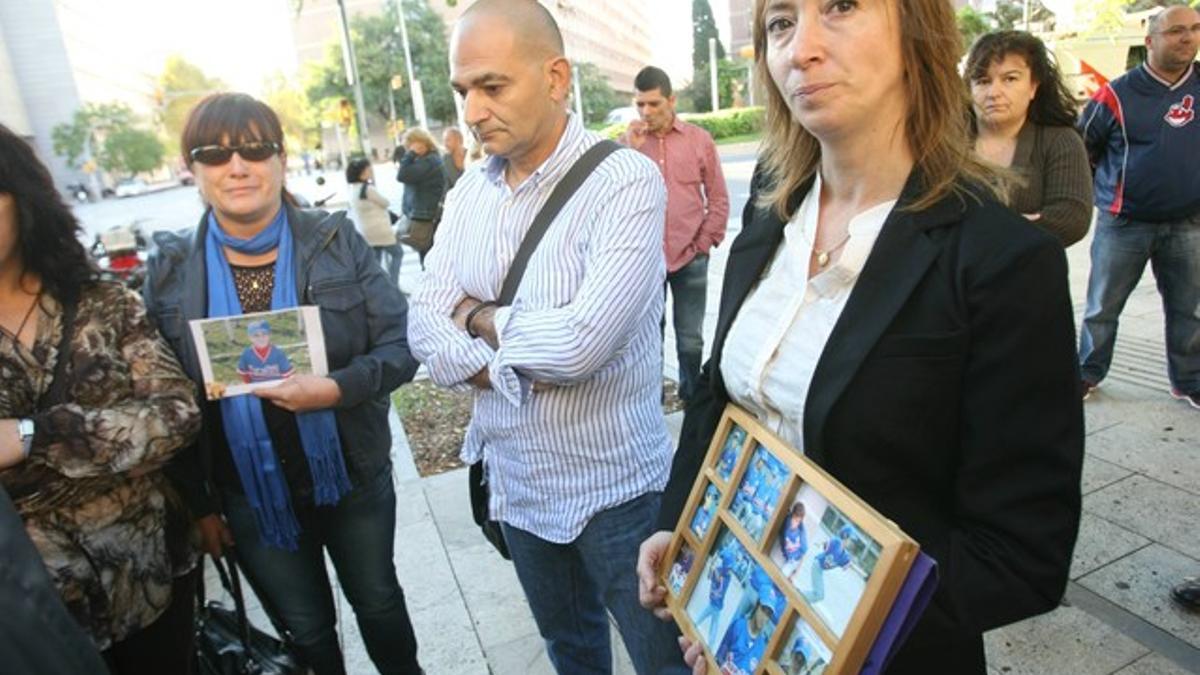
(84, 471)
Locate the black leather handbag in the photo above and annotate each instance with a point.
(228, 644)
(566, 188)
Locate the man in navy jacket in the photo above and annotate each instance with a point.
(1143, 139)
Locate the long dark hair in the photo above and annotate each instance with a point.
(1052, 105)
(47, 231)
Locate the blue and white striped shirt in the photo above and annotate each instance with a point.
(585, 319)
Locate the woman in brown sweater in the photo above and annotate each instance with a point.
(1024, 120)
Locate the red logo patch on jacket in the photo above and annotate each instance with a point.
(1181, 113)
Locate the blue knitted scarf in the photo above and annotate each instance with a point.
(245, 428)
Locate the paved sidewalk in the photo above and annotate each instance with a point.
(1141, 490)
(1141, 487)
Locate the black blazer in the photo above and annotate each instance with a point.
(946, 397)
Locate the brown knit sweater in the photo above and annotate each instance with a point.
(1057, 180)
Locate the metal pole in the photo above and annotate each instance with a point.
(392, 110)
(750, 85)
(352, 77)
(1026, 16)
(418, 105)
(712, 68)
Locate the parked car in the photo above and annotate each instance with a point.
(131, 187)
(621, 115)
(186, 177)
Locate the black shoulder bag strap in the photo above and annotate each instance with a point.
(566, 188)
(57, 393)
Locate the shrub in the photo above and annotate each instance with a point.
(721, 124)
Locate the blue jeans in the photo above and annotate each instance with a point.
(1120, 249)
(293, 585)
(689, 291)
(569, 586)
(394, 253)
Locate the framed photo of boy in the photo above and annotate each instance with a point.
(774, 566)
(239, 354)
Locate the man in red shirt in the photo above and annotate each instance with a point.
(697, 208)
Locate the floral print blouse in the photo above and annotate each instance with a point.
(91, 493)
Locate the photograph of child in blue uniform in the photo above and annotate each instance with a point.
(825, 556)
(746, 639)
(706, 512)
(263, 361)
(792, 543)
(680, 569)
(730, 451)
(760, 588)
(804, 653)
(282, 343)
(720, 589)
(834, 557)
(759, 492)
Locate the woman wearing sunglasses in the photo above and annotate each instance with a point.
(291, 472)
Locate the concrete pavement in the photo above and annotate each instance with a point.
(1141, 488)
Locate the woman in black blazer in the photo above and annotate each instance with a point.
(884, 312)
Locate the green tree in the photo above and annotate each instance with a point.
(1010, 14)
(380, 56)
(130, 151)
(180, 87)
(598, 95)
(703, 28)
(301, 123)
(109, 133)
(971, 24)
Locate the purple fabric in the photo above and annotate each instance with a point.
(910, 603)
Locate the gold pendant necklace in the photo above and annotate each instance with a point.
(823, 256)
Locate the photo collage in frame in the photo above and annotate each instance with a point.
(774, 566)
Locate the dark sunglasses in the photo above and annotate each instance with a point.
(216, 155)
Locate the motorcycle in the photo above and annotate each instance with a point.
(120, 253)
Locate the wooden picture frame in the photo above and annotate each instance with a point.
(758, 479)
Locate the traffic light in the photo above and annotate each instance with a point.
(345, 113)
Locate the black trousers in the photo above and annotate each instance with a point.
(165, 646)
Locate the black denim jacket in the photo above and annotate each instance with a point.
(363, 316)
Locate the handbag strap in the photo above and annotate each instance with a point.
(56, 394)
(232, 583)
(562, 193)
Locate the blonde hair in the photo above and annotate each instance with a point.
(937, 129)
(421, 136)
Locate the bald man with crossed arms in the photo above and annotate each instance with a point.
(568, 378)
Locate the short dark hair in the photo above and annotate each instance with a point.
(651, 78)
(355, 168)
(47, 231)
(240, 118)
(1053, 104)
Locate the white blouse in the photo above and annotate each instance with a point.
(778, 335)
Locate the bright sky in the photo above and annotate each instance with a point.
(245, 41)
(672, 50)
(240, 41)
